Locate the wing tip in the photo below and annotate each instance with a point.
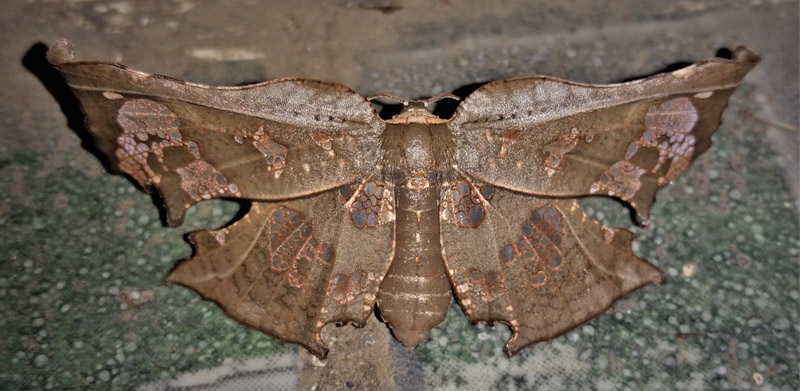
(744, 55)
(61, 52)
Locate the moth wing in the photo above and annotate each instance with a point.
(539, 265)
(274, 140)
(552, 137)
(289, 268)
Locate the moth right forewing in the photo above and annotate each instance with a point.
(553, 137)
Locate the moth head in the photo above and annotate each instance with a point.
(416, 110)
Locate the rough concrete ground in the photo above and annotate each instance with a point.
(84, 253)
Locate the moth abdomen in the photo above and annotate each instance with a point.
(415, 295)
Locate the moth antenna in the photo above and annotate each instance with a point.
(388, 96)
(439, 97)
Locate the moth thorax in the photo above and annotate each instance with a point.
(418, 156)
(416, 112)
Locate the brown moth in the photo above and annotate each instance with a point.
(350, 211)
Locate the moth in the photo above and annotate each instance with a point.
(351, 211)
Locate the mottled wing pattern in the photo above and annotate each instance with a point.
(289, 268)
(552, 137)
(539, 265)
(273, 140)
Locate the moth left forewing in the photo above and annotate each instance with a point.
(552, 137)
(274, 140)
(539, 265)
(289, 268)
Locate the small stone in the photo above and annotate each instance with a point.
(735, 194)
(104, 375)
(588, 330)
(781, 324)
(573, 337)
(131, 346)
(706, 317)
(40, 360)
(601, 362)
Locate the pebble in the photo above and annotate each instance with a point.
(781, 324)
(104, 375)
(40, 360)
(573, 337)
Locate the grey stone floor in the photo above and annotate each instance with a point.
(83, 252)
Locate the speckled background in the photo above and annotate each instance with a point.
(84, 252)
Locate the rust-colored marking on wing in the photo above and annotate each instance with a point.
(555, 151)
(147, 127)
(507, 140)
(542, 241)
(668, 129)
(465, 205)
(325, 142)
(488, 287)
(538, 280)
(622, 180)
(274, 153)
(345, 289)
(289, 241)
(672, 122)
(201, 181)
(372, 206)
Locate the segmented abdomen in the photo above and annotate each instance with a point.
(415, 294)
